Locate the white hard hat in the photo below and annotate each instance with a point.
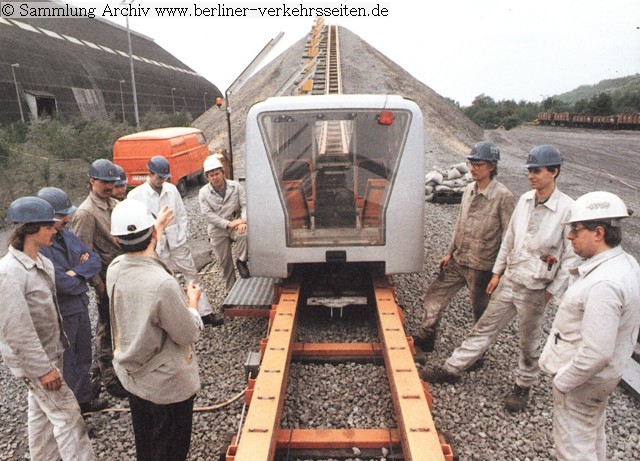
(130, 217)
(598, 206)
(211, 163)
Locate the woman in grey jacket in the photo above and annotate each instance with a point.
(154, 328)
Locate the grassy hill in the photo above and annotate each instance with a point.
(612, 86)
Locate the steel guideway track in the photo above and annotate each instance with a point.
(415, 437)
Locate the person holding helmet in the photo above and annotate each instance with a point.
(92, 224)
(224, 204)
(173, 247)
(155, 325)
(483, 219)
(532, 265)
(74, 265)
(31, 336)
(595, 328)
(120, 186)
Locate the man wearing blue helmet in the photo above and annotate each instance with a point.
(75, 264)
(92, 224)
(31, 336)
(157, 192)
(532, 265)
(483, 219)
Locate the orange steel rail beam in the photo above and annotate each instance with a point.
(258, 437)
(417, 430)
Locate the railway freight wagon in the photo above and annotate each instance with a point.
(622, 121)
(335, 178)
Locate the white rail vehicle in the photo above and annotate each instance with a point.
(334, 179)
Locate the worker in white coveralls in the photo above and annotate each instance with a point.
(223, 202)
(32, 339)
(595, 329)
(532, 265)
(173, 247)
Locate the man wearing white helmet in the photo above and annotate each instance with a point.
(157, 192)
(32, 340)
(595, 328)
(155, 326)
(532, 266)
(224, 204)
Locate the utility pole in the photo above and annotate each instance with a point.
(122, 101)
(133, 75)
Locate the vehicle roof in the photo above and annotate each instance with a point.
(160, 133)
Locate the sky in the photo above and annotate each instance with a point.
(506, 49)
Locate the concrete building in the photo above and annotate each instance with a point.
(82, 66)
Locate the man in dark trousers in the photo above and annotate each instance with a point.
(155, 325)
(75, 264)
(92, 224)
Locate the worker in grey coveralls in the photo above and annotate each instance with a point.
(483, 219)
(173, 247)
(595, 329)
(31, 335)
(532, 265)
(92, 224)
(155, 325)
(224, 204)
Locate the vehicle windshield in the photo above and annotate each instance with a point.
(335, 170)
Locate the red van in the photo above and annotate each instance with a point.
(184, 147)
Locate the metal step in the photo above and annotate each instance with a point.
(254, 291)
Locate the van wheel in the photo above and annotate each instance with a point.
(182, 187)
(202, 179)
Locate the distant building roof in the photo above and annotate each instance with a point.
(82, 66)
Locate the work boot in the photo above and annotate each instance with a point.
(115, 388)
(438, 375)
(243, 269)
(212, 320)
(95, 381)
(93, 406)
(425, 341)
(517, 400)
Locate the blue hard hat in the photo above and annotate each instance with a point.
(545, 155)
(160, 166)
(122, 181)
(31, 210)
(485, 150)
(58, 199)
(104, 170)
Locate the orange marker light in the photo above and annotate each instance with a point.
(385, 118)
(218, 101)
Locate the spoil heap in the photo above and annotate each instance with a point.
(449, 133)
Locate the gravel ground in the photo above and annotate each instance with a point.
(355, 395)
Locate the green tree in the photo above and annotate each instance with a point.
(601, 104)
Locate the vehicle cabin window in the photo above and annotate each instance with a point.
(334, 171)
